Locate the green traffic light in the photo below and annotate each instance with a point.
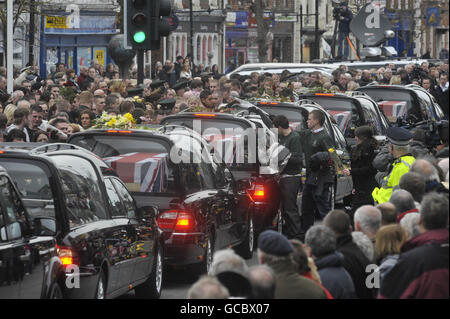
(139, 37)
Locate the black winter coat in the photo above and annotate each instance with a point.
(363, 172)
(355, 262)
(334, 277)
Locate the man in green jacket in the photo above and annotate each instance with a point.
(275, 251)
(290, 180)
(319, 173)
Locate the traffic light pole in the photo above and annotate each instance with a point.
(140, 67)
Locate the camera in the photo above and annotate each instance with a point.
(338, 11)
(418, 73)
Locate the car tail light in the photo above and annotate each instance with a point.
(66, 255)
(174, 220)
(205, 115)
(324, 94)
(117, 131)
(259, 192)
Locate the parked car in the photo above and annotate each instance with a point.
(256, 167)
(84, 220)
(278, 68)
(409, 106)
(297, 114)
(202, 208)
(366, 65)
(350, 111)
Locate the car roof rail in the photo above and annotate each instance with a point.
(307, 101)
(415, 86)
(53, 147)
(171, 127)
(356, 93)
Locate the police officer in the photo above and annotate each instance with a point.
(319, 173)
(290, 180)
(398, 139)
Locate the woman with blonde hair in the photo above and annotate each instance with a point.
(186, 71)
(395, 80)
(9, 112)
(118, 86)
(388, 244)
(194, 101)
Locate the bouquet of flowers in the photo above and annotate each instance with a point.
(115, 121)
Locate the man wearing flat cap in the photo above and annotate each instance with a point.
(398, 139)
(165, 106)
(275, 251)
(180, 88)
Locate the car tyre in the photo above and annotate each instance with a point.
(56, 292)
(151, 288)
(245, 249)
(204, 267)
(100, 292)
(332, 197)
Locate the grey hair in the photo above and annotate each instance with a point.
(402, 200)
(370, 223)
(263, 282)
(434, 211)
(364, 243)
(21, 102)
(226, 260)
(208, 287)
(401, 149)
(424, 166)
(410, 223)
(321, 240)
(271, 259)
(16, 93)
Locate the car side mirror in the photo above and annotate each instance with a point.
(244, 184)
(44, 226)
(148, 212)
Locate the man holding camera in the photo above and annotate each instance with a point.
(344, 17)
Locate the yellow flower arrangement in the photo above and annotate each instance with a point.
(114, 121)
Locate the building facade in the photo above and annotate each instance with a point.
(76, 33)
(207, 27)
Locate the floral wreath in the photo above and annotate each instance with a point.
(114, 121)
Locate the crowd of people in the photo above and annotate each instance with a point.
(399, 215)
(71, 103)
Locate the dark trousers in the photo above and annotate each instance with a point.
(312, 202)
(289, 187)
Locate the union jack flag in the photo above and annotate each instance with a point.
(225, 145)
(393, 109)
(141, 172)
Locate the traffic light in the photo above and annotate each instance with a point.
(160, 25)
(138, 24)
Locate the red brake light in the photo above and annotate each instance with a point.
(324, 94)
(205, 115)
(1, 152)
(259, 192)
(116, 131)
(65, 254)
(274, 103)
(179, 221)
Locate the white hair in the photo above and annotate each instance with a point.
(369, 219)
(208, 287)
(364, 243)
(410, 223)
(443, 164)
(226, 260)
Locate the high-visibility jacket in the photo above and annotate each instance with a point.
(400, 167)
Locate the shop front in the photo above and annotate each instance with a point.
(207, 41)
(75, 42)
